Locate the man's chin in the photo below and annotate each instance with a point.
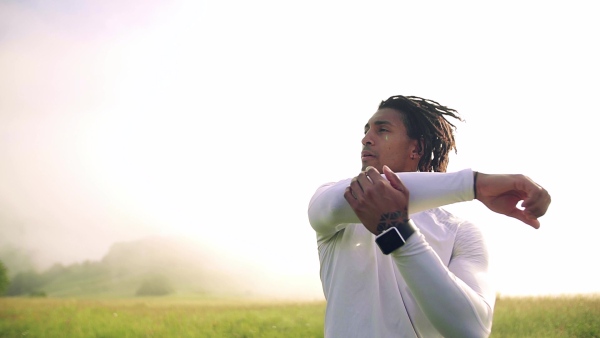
(374, 165)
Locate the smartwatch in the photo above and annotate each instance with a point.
(394, 237)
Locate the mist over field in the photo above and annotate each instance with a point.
(187, 137)
(167, 266)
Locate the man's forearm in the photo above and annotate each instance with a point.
(451, 304)
(329, 212)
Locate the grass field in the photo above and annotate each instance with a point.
(190, 317)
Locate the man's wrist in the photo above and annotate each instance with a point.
(391, 219)
(395, 237)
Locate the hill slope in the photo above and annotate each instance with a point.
(176, 265)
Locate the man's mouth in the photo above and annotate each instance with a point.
(366, 154)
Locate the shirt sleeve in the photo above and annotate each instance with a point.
(329, 212)
(458, 299)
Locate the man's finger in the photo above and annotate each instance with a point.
(363, 180)
(373, 174)
(526, 218)
(537, 205)
(349, 196)
(356, 188)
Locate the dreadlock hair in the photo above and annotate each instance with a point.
(425, 120)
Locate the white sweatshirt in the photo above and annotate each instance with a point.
(436, 285)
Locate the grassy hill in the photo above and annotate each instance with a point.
(171, 265)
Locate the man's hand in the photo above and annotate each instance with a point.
(378, 202)
(502, 193)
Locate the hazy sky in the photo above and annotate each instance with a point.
(218, 120)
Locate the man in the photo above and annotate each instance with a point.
(394, 264)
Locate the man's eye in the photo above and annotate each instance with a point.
(383, 130)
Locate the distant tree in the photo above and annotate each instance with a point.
(24, 283)
(55, 271)
(154, 285)
(16, 259)
(37, 293)
(3, 278)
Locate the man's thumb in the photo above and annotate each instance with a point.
(392, 178)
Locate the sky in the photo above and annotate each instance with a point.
(217, 121)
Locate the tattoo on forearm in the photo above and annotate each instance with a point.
(391, 219)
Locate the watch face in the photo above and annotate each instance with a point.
(389, 240)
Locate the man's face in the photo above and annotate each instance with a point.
(387, 143)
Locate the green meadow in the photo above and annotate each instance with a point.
(575, 316)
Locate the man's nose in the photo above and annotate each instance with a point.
(367, 139)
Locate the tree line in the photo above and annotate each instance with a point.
(32, 283)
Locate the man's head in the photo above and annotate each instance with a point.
(409, 133)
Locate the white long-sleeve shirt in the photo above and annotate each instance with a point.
(436, 285)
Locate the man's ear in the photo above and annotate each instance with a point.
(417, 147)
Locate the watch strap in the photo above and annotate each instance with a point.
(406, 229)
